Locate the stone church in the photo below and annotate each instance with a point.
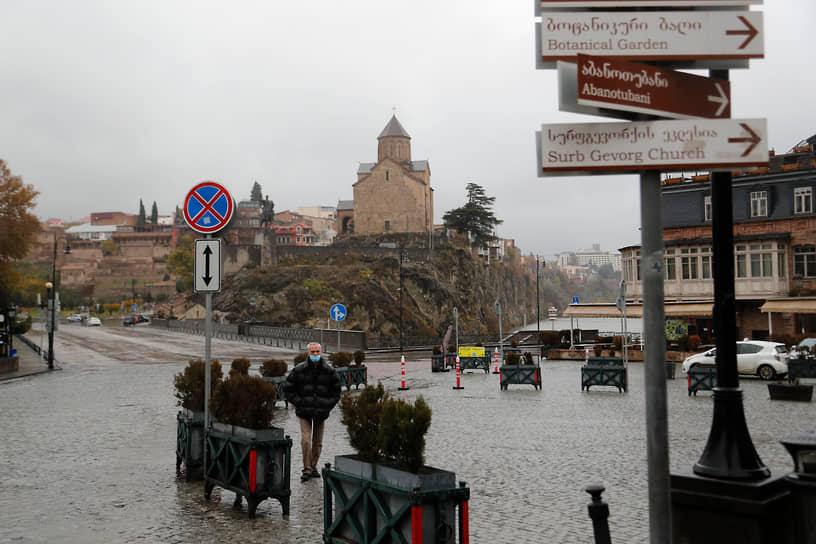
(393, 194)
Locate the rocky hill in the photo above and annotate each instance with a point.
(299, 292)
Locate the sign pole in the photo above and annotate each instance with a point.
(657, 427)
(207, 355)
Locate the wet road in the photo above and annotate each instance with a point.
(88, 452)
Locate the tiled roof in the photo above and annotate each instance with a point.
(365, 167)
(345, 205)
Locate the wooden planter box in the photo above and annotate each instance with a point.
(280, 388)
(671, 369)
(790, 391)
(190, 444)
(474, 363)
(701, 378)
(443, 363)
(352, 375)
(366, 502)
(801, 368)
(252, 463)
(520, 374)
(604, 371)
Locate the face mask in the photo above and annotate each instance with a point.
(314, 358)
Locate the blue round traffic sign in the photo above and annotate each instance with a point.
(208, 207)
(338, 312)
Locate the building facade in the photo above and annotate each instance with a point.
(393, 194)
(774, 246)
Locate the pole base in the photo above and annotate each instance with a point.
(457, 387)
(403, 388)
(496, 372)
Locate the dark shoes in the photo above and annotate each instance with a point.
(308, 475)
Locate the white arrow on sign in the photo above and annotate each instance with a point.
(207, 266)
(614, 148)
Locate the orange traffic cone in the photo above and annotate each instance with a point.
(458, 375)
(496, 361)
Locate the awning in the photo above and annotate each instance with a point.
(672, 309)
(790, 305)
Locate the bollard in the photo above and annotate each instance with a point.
(496, 361)
(458, 375)
(599, 513)
(402, 387)
(586, 356)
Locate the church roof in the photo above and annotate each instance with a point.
(416, 166)
(393, 128)
(345, 205)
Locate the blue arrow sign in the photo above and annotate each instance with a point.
(338, 312)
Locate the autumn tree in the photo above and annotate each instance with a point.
(18, 227)
(180, 264)
(476, 217)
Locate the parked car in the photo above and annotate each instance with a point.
(76, 318)
(806, 346)
(94, 322)
(754, 357)
(130, 320)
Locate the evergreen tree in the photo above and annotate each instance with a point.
(154, 214)
(256, 195)
(476, 217)
(140, 221)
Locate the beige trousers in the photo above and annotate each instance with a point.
(311, 443)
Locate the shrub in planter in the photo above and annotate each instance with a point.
(240, 366)
(514, 343)
(361, 416)
(598, 350)
(617, 341)
(437, 350)
(452, 348)
(300, 357)
(612, 352)
(340, 359)
(190, 384)
(528, 358)
(245, 401)
(273, 368)
(512, 358)
(359, 357)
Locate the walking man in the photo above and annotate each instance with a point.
(313, 387)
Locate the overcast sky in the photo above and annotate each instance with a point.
(104, 103)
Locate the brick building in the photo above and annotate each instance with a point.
(774, 248)
(393, 194)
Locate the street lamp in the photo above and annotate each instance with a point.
(51, 289)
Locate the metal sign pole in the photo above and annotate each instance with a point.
(207, 355)
(338, 335)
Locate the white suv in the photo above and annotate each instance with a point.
(757, 358)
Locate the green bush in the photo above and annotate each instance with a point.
(381, 427)
(190, 384)
(598, 350)
(300, 357)
(273, 368)
(361, 416)
(402, 431)
(340, 359)
(528, 358)
(452, 348)
(246, 401)
(240, 366)
(549, 338)
(437, 350)
(512, 358)
(359, 357)
(21, 326)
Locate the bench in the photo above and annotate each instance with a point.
(701, 378)
(604, 371)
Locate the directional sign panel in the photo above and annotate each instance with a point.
(621, 89)
(651, 35)
(208, 207)
(338, 312)
(614, 148)
(545, 5)
(207, 266)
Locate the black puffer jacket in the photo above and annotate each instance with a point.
(314, 389)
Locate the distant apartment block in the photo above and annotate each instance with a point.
(589, 258)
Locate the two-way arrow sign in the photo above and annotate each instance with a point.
(207, 271)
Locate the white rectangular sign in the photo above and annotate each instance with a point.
(677, 36)
(615, 148)
(207, 273)
(545, 5)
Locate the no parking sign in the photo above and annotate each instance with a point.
(208, 207)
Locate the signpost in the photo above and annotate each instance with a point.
(614, 148)
(338, 313)
(616, 88)
(207, 266)
(686, 38)
(208, 208)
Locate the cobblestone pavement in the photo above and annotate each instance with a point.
(88, 451)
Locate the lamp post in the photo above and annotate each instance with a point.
(538, 310)
(51, 290)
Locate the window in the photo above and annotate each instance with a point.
(386, 175)
(671, 265)
(688, 268)
(804, 261)
(706, 259)
(803, 200)
(387, 226)
(759, 203)
(707, 208)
